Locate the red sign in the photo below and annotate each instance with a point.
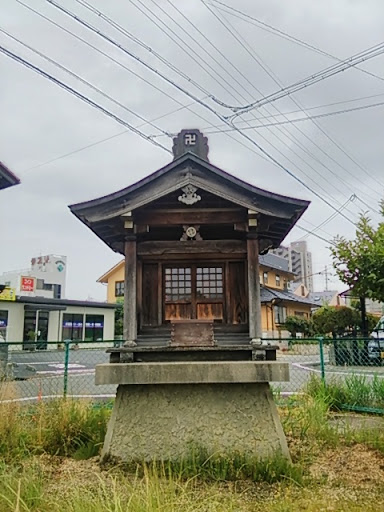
(27, 284)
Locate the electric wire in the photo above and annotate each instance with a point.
(350, 62)
(85, 23)
(270, 73)
(79, 95)
(85, 82)
(210, 108)
(100, 141)
(303, 148)
(274, 160)
(269, 28)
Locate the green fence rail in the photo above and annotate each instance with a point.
(349, 370)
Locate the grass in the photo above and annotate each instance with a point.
(43, 466)
(60, 427)
(207, 467)
(353, 390)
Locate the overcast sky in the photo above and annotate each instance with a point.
(44, 129)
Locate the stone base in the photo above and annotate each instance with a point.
(168, 421)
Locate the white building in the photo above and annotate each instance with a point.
(34, 321)
(299, 260)
(45, 278)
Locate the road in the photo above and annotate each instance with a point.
(49, 377)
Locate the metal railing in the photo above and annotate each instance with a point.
(349, 370)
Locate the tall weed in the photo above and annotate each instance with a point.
(61, 427)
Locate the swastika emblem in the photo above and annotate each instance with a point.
(190, 139)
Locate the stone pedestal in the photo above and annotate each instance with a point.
(165, 410)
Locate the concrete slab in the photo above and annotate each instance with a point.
(220, 372)
(170, 421)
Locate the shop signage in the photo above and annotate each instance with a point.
(27, 284)
(8, 294)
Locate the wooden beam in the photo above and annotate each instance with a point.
(255, 328)
(130, 292)
(180, 217)
(191, 247)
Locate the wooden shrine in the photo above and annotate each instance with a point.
(191, 235)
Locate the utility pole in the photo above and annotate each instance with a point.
(326, 277)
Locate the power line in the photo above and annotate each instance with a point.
(269, 28)
(83, 81)
(258, 60)
(172, 97)
(211, 44)
(331, 217)
(100, 141)
(125, 32)
(254, 143)
(298, 120)
(208, 107)
(137, 58)
(297, 142)
(350, 62)
(69, 89)
(307, 109)
(315, 234)
(84, 23)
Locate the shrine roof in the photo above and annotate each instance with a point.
(251, 192)
(190, 178)
(7, 178)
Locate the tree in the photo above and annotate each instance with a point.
(359, 262)
(335, 320)
(295, 324)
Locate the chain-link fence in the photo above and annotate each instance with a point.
(351, 370)
(33, 371)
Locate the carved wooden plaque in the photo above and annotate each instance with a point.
(192, 333)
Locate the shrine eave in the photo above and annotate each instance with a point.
(110, 204)
(277, 213)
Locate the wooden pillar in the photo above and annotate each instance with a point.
(130, 295)
(255, 327)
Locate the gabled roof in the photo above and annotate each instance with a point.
(103, 215)
(274, 262)
(268, 294)
(7, 178)
(323, 297)
(104, 278)
(182, 162)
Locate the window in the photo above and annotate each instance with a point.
(178, 284)
(280, 313)
(42, 285)
(265, 277)
(209, 282)
(119, 289)
(3, 325)
(57, 291)
(94, 327)
(72, 327)
(278, 280)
